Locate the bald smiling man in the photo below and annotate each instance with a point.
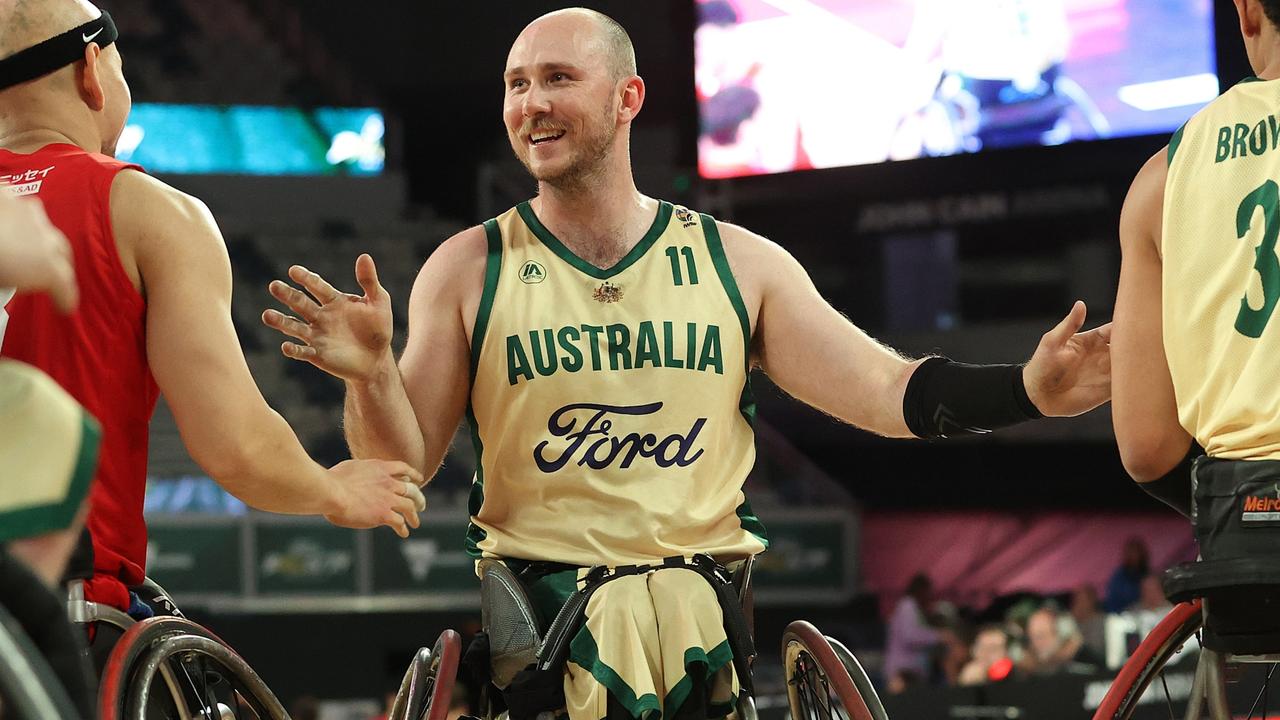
(154, 313)
(599, 342)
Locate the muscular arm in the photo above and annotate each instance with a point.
(411, 412)
(808, 348)
(195, 356)
(1144, 410)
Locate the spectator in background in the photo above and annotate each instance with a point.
(1054, 645)
(1123, 587)
(911, 639)
(991, 661)
(1089, 618)
(1151, 606)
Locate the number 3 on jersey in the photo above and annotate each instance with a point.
(1250, 322)
(677, 276)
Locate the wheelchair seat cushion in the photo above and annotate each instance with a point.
(1242, 602)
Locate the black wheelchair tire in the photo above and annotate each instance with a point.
(125, 689)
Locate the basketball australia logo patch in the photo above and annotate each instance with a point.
(532, 273)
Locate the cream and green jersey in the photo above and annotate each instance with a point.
(610, 408)
(1221, 273)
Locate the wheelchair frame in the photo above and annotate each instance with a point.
(165, 645)
(824, 680)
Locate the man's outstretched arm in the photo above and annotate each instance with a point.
(818, 356)
(408, 410)
(195, 356)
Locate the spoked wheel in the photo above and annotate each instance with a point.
(1160, 673)
(428, 683)
(170, 667)
(819, 687)
(866, 690)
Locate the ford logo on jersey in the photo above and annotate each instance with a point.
(595, 445)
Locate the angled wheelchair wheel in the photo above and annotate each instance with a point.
(866, 690)
(28, 686)
(427, 686)
(170, 667)
(819, 685)
(1177, 631)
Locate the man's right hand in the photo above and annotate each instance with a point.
(377, 492)
(347, 336)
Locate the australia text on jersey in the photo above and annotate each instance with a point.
(601, 452)
(576, 347)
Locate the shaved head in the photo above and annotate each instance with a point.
(84, 102)
(24, 23)
(612, 39)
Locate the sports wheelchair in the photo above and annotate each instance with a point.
(824, 680)
(1224, 634)
(1220, 645)
(169, 667)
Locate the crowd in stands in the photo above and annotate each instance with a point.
(930, 641)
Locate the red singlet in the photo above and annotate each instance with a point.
(98, 353)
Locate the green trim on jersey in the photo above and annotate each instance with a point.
(711, 661)
(475, 500)
(553, 243)
(1174, 142)
(41, 519)
(492, 270)
(751, 523)
(747, 403)
(1250, 79)
(584, 651)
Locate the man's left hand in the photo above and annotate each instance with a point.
(1070, 372)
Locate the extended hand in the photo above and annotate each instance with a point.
(1070, 372)
(345, 335)
(34, 255)
(378, 492)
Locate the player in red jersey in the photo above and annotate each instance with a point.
(154, 313)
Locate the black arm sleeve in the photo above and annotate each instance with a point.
(946, 398)
(1174, 490)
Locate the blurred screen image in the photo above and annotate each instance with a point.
(799, 84)
(254, 140)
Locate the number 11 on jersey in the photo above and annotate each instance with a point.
(677, 276)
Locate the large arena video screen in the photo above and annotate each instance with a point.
(254, 140)
(798, 84)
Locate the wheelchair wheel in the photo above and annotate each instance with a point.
(1148, 662)
(819, 687)
(860, 680)
(170, 667)
(28, 686)
(427, 686)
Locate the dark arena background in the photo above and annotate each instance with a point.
(939, 213)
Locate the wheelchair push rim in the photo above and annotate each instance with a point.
(427, 687)
(201, 674)
(819, 686)
(1148, 661)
